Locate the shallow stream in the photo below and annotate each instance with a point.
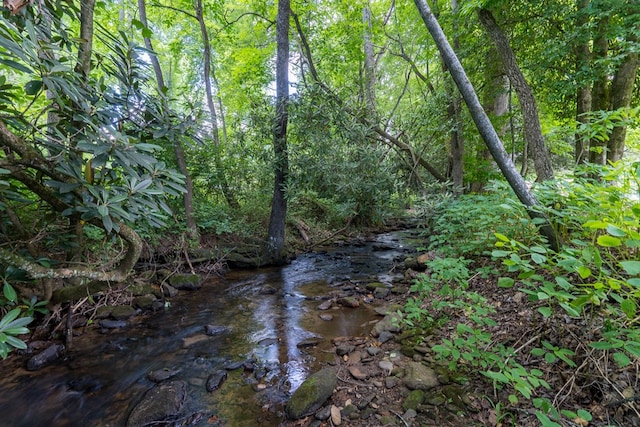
(271, 315)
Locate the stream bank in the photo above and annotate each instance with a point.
(227, 351)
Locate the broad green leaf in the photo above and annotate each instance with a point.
(597, 225)
(505, 282)
(538, 258)
(631, 267)
(9, 292)
(584, 272)
(501, 237)
(621, 359)
(33, 87)
(615, 231)
(545, 311)
(608, 241)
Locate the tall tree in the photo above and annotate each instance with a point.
(533, 130)
(485, 128)
(583, 91)
(215, 130)
(190, 220)
(277, 220)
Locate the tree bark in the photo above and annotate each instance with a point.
(277, 220)
(215, 131)
(583, 93)
(621, 93)
(177, 144)
(86, 36)
(532, 128)
(485, 128)
(369, 62)
(600, 91)
(456, 138)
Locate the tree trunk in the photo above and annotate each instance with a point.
(369, 62)
(621, 92)
(86, 35)
(600, 91)
(277, 221)
(483, 124)
(583, 93)
(215, 132)
(532, 128)
(456, 138)
(177, 145)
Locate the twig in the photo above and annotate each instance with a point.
(399, 416)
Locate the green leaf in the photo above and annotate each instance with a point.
(8, 318)
(538, 258)
(9, 292)
(621, 359)
(33, 87)
(608, 241)
(631, 267)
(615, 231)
(147, 33)
(501, 237)
(597, 225)
(545, 311)
(584, 272)
(628, 306)
(505, 282)
(15, 65)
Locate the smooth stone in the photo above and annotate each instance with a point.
(420, 377)
(45, 357)
(160, 375)
(113, 324)
(216, 379)
(213, 330)
(357, 373)
(311, 394)
(186, 282)
(163, 401)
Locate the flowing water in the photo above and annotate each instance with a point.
(270, 315)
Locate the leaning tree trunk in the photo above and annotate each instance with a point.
(177, 145)
(532, 128)
(485, 128)
(277, 221)
(215, 132)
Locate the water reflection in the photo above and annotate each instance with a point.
(105, 375)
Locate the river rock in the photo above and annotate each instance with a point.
(390, 323)
(186, 282)
(168, 290)
(144, 301)
(216, 379)
(351, 302)
(160, 375)
(161, 402)
(45, 357)
(312, 394)
(420, 377)
(113, 324)
(213, 330)
(122, 312)
(415, 399)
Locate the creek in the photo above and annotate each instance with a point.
(270, 321)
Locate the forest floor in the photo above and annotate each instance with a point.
(587, 381)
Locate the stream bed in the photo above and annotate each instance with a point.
(268, 320)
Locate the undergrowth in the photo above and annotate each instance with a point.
(578, 365)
